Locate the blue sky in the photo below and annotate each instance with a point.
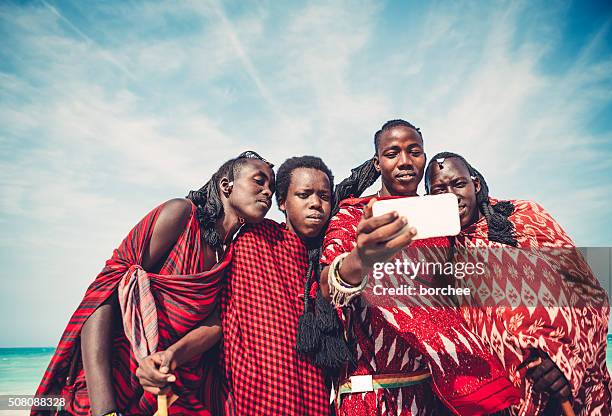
(109, 108)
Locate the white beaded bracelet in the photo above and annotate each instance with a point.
(342, 293)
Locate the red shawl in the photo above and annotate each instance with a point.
(184, 296)
(260, 310)
(541, 295)
(465, 376)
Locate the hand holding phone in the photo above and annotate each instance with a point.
(431, 216)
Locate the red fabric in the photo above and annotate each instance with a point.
(541, 295)
(184, 294)
(393, 337)
(260, 310)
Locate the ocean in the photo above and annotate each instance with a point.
(22, 368)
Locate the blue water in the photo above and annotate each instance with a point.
(22, 368)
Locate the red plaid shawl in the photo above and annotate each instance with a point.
(260, 310)
(184, 296)
(540, 295)
(395, 335)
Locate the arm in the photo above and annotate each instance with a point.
(373, 245)
(97, 332)
(154, 370)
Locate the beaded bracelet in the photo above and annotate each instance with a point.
(341, 292)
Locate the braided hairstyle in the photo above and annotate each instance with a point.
(501, 228)
(389, 125)
(319, 335)
(207, 199)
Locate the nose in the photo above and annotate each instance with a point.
(267, 192)
(314, 202)
(404, 160)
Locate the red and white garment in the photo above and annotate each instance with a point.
(541, 295)
(394, 335)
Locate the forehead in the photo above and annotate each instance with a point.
(398, 136)
(452, 168)
(253, 166)
(309, 178)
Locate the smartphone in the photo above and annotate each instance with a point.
(431, 215)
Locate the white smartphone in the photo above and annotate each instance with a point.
(432, 215)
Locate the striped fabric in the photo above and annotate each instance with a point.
(184, 296)
(139, 312)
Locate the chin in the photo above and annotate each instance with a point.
(309, 233)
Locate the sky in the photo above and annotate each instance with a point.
(107, 109)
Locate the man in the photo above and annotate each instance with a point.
(168, 273)
(538, 301)
(411, 360)
(265, 296)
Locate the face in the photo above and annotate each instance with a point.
(454, 177)
(308, 203)
(400, 159)
(251, 191)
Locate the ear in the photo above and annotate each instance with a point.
(376, 163)
(282, 206)
(476, 184)
(225, 185)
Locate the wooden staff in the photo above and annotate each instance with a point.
(162, 405)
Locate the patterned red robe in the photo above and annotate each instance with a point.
(184, 295)
(541, 295)
(395, 335)
(261, 305)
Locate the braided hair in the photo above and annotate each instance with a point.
(207, 199)
(319, 335)
(501, 228)
(391, 124)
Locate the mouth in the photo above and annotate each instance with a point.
(315, 218)
(405, 176)
(266, 202)
(462, 210)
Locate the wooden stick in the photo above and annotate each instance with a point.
(567, 409)
(170, 400)
(162, 405)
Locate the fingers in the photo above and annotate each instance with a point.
(157, 390)
(537, 372)
(371, 224)
(402, 239)
(367, 212)
(385, 232)
(149, 375)
(166, 358)
(560, 388)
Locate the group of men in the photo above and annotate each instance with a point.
(275, 320)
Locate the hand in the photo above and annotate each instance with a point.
(548, 378)
(153, 372)
(374, 236)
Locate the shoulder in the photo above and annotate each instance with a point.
(175, 214)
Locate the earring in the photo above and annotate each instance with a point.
(241, 220)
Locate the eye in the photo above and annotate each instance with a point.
(390, 155)
(302, 195)
(460, 184)
(416, 152)
(436, 191)
(260, 181)
(325, 197)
